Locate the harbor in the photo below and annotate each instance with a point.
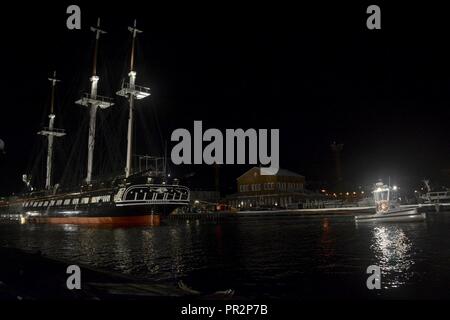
(224, 168)
(300, 257)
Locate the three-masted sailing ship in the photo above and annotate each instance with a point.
(135, 197)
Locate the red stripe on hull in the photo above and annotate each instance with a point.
(149, 220)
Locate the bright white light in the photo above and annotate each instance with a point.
(395, 188)
(196, 202)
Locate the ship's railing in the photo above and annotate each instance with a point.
(138, 91)
(47, 129)
(156, 194)
(101, 101)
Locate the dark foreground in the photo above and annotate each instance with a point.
(31, 276)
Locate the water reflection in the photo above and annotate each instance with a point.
(326, 240)
(393, 254)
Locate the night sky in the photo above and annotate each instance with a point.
(316, 73)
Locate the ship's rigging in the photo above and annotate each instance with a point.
(93, 101)
(105, 150)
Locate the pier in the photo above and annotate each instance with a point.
(321, 212)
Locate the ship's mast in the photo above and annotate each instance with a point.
(93, 101)
(132, 92)
(50, 132)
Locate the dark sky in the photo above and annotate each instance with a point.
(316, 73)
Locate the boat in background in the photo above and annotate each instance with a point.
(387, 206)
(435, 196)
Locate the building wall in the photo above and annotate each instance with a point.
(256, 190)
(253, 183)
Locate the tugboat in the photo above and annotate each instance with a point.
(134, 197)
(387, 206)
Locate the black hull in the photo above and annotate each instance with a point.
(134, 204)
(106, 210)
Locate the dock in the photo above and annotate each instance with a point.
(320, 212)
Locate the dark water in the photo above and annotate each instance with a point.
(282, 257)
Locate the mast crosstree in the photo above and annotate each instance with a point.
(51, 132)
(132, 91)
(94, 101)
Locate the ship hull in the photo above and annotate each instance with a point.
(131, 220)
(405, 215)
(134, 205)
(143, 214)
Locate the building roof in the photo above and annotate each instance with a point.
(281, 173)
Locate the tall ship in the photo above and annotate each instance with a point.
(137, 196)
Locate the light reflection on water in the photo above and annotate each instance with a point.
(393, 252)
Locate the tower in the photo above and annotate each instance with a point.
(337, 149)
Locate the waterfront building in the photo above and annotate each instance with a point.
(284, 189)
